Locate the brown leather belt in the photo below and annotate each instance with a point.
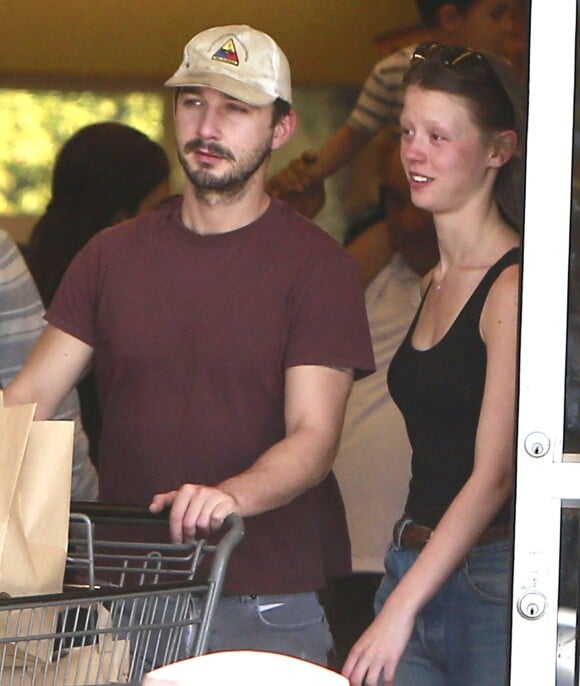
(407, 534)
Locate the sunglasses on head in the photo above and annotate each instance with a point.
(455, 57)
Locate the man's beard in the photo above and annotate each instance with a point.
(231, 183)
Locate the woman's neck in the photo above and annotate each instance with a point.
(467, 238)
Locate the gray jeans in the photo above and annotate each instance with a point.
(293, 624)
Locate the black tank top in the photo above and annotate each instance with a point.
(439, 392)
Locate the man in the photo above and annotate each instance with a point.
(226, 331)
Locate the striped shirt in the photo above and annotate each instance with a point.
(381, 98)
(21, 322)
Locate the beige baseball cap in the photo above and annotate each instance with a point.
(239, 61)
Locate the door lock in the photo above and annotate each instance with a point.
(537, 444)
(532, 604)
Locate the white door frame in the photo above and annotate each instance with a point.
(543, 479)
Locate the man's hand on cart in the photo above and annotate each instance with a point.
(194, 507)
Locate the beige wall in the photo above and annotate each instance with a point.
(141, 41)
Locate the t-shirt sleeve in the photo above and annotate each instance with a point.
(75, 303)
(328, 323)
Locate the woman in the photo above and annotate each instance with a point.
(104, 173)
(442, 606)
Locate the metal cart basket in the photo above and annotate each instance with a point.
(127, 606)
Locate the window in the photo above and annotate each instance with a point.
(35, 124)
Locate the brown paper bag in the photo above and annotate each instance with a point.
(36, 464)
(101, 660)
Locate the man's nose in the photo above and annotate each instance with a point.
(209, 127)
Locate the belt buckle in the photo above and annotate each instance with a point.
(400, 527)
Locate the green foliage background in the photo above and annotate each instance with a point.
(35, 124)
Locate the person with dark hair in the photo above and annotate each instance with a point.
(105, 173)
(223, 355)
(442, 607)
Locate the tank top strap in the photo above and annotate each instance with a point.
(478, 297)
(480, 294)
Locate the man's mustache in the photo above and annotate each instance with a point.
(208, 146)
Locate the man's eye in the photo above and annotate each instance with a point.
(236, 107)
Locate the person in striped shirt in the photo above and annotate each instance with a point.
(481, 24)
(21, 322)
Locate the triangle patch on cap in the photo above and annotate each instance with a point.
(227, 53)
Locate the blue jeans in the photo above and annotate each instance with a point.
(460, 635)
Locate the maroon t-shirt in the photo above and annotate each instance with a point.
(192, 336)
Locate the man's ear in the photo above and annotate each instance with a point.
(503, 147)
(284, 130)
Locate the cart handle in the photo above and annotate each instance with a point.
(134, 513)
(104, 512)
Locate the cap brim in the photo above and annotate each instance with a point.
(247, 93)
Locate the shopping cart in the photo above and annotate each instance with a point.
(127, 607)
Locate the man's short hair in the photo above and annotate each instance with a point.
(281, 109)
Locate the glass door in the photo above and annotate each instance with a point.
(546, 538)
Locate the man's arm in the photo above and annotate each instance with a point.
(56, 363)
(315, 401)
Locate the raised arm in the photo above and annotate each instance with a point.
(300, 184)
(315, 400)
(473, 509)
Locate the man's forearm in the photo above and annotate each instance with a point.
(285, 471)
